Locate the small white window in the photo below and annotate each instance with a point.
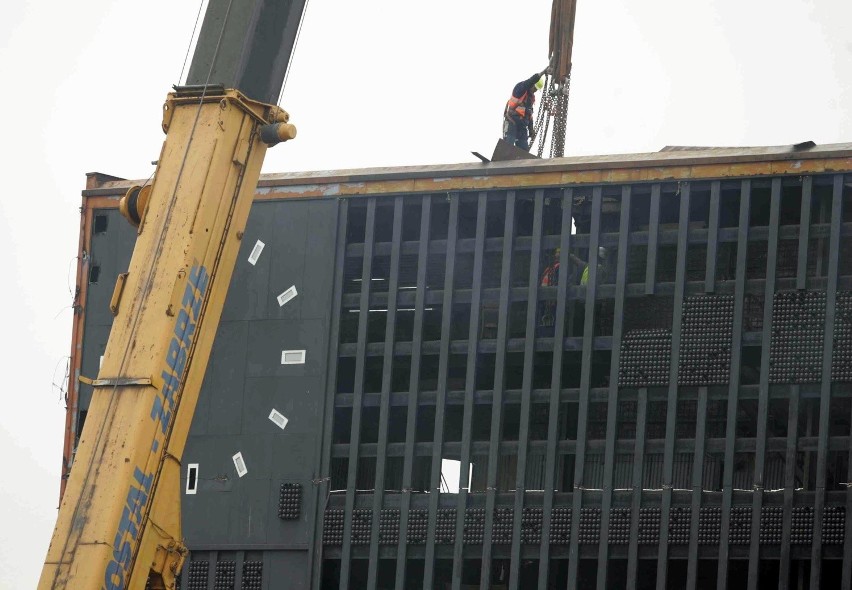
(451, 476)
(191, 478)
(287, 296)
(292, 357)
(278, 418)
(255, 252)
(240, 464)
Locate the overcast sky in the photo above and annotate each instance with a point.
(373, 83)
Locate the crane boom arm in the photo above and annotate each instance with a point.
(119, 519)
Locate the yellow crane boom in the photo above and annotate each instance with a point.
(119, 519)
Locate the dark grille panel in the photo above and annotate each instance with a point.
(636, 371)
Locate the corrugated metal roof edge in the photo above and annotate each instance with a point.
(662, 159)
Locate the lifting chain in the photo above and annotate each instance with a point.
(554, 105)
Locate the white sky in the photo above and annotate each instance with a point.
(373, 83)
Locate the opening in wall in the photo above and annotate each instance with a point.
(791, 204)
(565, 472)
(422, 473)
(656, 420)
(485, 368)
(393, 473)
(571, 368)
(100, 224)
(352, 270)
(520, 268)
(401, 373)
(729, 205)
(425, 429)
(376, 323)
(397, 423)
(451, 475)
(380, 271)
(760, 205)
(467, 217)
(808, 424)
(686, 418)
(699, 206)
(841, 410)
(601, 360)
(511, 421)
(440, 217)
(463, 272)
(747, 418)
(669, 207)
(514, 370)
(837, 470)
(539, 415)
(432, 324)
(460, 324)
(342, 429)
(821, 202)
(552, 213)
(492, 269)
(429, 372)
(369, 424)
(750, 365)
(365, 478)
(356, 223)
(338, 473)
(542, 370)
(626, 419)
(457, 372)
(481, 423)
(453, 423)
(411, 220)
(346, 375)
(495, 215)
(479, 475)
(597, 421)
(743, 471)
(383, 229)
(806, 468)
(517, 319)
(776, 420)
(524, 214)
(640, 211)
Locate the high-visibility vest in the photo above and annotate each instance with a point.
(550, 276)
(518, 106)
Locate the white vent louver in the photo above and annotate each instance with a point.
(240, 464)
(255, 252)
(287, 296)
(278, 418)
(292, 357)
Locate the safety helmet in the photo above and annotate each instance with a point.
(540, 84)
(602, 252)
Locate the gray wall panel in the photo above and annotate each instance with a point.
(224, 380)
(249, 289)
(248, 513)
(288, 257)
(267, 339)
(283, 569)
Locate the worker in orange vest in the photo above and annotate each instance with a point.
(518, 115)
